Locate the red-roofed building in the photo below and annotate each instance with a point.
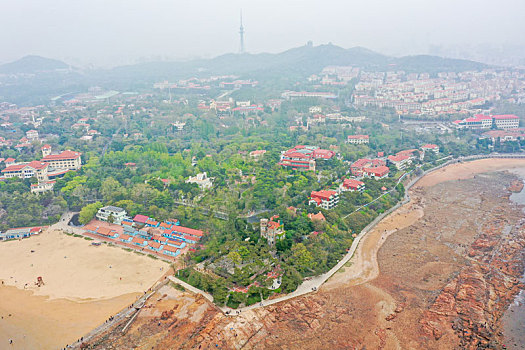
(326, 199)
(430, 147)
(140, 219)
(379, 172)
(27, 170)
(304, 157)
(480, 121)
(317, 217)
(358, 139)
(125, 238)
(65, 160)
(46, 150)
(165, 225)
(106, 232)
(272, 230)
(187, 231)
(400, 161)
(352, 185)
(154, 246)
(152, 223)
(357, 167)
(257, 153)
(169, 250)
(139, 241)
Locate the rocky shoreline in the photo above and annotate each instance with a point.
(473, 303)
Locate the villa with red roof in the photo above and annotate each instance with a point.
(430, 147)
(400, 161)
(359, 165)
(325, 199)
(352, 185)
(304, 157)
(379, 172)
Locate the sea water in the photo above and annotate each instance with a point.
(514, 318)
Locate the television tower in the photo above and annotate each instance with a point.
(241, 32)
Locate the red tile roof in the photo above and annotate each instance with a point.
(154, 244)
(378, 171)
(319, 216)
(62, 156)
(358, 137)
(124, 237)
(138, 240)
(140, 218)
(352, 183)
(398, 158)
(323, 194)
(170, 248)
(35, 164)
(187, 230)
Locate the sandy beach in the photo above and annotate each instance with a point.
(84, 285)
(467, 170)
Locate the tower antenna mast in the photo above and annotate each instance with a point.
(241, 33)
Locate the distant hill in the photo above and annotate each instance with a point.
(32, 64)
(282, 70)
(300, 61)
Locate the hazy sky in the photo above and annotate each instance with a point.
(109, 32)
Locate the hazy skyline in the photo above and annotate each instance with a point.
(115, 32)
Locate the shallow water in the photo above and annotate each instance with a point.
(514, 318)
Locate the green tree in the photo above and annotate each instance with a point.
(88, 212)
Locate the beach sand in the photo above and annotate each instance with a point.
(84, 285)
(467, 170)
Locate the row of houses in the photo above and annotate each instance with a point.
(166, 237)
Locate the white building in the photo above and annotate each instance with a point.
(202, 180)
(358, 139)
(118, 214)
(505, 122)
(32, 135)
